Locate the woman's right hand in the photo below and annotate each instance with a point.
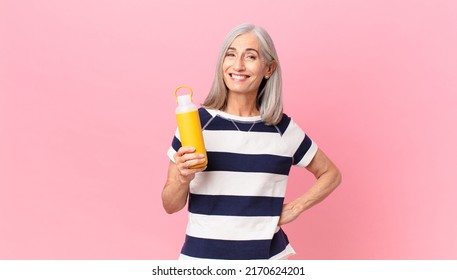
(180, 173)
(185, 158)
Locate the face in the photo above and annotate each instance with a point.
(243, 67)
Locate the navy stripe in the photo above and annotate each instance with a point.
(222, 161)
(278, 243)
(283, 124)
(234, 250)
(204, 115)
(302, 149)
(262, 127)
(220, 123)
(176, 144)
(232, 205)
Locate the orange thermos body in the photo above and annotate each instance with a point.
(189, 126)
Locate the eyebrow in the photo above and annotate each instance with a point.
(248, 49)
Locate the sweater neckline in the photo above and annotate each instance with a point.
(234, 117)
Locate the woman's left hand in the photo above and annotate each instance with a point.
(328, 178)
(290, 211)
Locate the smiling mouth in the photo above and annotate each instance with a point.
(238, 77)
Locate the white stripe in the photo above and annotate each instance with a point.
(229, 117)
(171, 152)
(231, 227)
(253, 142)
(239, 183)
(293, 137)
(246, 142)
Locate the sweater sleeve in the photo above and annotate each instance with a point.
(301, 146)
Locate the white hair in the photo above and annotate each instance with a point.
(269, 97)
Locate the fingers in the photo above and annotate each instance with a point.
(188, 174)
(185, 150)
(185, 158)
(289, 213)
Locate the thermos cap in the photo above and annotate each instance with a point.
(184, 99)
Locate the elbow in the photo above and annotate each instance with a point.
(338, 177)
(169, 211)
(169, 202)
(171, 207)
(332, 177)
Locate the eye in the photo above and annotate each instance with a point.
(230, 54)
(250, 57)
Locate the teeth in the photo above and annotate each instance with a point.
(238, 77)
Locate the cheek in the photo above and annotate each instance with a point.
(259, 73)
(264, 70)
(257, 69)
(225, 66)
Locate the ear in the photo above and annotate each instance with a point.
(270, 69)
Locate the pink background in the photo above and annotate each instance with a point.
(87, 114)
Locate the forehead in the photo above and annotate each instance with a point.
(245, 41)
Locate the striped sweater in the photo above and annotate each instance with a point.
(235, 204)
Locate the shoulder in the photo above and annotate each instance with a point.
(204, 114)
(284, 123)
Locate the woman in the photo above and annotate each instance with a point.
(236, 202)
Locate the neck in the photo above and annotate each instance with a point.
(241, 105)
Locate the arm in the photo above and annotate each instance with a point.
(328, 178)
(176, 189)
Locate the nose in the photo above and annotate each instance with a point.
(239, 63)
